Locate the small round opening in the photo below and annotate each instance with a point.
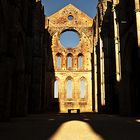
(70, 17)
(69, 39)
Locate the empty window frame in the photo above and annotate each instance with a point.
(56, 89)
(69, 61)
(69, 88)
(59, 60)
(80, 61)
(82, 88)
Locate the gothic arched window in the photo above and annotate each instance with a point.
(69, 61)
(56, 89)
(80, 61)
(58, 61)
(82, 88)
(69, 88)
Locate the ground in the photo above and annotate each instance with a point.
(71, 127)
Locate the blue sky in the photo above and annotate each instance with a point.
(67, 36)
(87, 6)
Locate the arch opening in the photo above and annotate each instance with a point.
(56, 89)
(69, 38)
(69, 61)
(59, 60)
(80, 61)
(69, 88)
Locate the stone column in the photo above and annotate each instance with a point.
(137, 10)
(95, 67)
(75, 62)
(102, 71)
(117, 45)
(95, 80)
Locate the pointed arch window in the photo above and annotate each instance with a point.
(59, 60)
(80, 61)
(69, 61)
(82, 88)
(56, 89)
(69, 88)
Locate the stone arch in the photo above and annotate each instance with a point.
(74, 35)
(64, 29)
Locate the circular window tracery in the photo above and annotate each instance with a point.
(70, 17)
(69, 38)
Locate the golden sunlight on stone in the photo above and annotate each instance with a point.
(75, 130)
(72, 43)
(138, 120)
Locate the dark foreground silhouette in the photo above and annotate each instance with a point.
(57, 126)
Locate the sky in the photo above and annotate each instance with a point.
(87, 6)
(67, 36)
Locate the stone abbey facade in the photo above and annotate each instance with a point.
(106, 62)
(75, 73)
